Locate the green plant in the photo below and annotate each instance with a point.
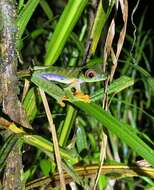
(106, 136)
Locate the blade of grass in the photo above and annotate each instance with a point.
(115, 87)
(71, 113)
(123, 131)
(63, 29)
(98, 25)
(43, 144)
(55, 141)
(29, 104)
(46, 8)
(25, 15)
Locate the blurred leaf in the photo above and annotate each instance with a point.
(81, 141)
(102, 182)
(121, 130)
(45, 166)
(92, 141)
(25, 176)
(151, 84)
(148, 180)
(45, 6)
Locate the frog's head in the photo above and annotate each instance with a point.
(92, 74)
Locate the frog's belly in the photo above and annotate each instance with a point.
(57, 78)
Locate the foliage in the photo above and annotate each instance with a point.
(106, 136)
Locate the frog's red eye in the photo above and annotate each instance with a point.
(90, 73)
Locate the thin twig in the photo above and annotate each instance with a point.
(133, 23)
(55, 141)
(102, 158)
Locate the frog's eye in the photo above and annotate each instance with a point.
(73, 89)
(90, 73)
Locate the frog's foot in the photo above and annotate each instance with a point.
(82, 97)
(64, 98)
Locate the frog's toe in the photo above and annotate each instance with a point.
(61, 101)
(82, 97)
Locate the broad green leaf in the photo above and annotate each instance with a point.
(47, 147)
(102, 182)
(120, 84)
(98, 25)
(63, 29)
(120, 129)
(81, 140)
(117, 86)
(43, 144)
(67, 125)
(29, 104)
(45, 166)
(25, 15)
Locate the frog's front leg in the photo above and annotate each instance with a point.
(73, 91)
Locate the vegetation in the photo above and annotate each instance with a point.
(103, 143)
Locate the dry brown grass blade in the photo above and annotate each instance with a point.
(108, 49)
(124, 9)
(102, 158)
(55, 141)
(109, 41)
(25, 89)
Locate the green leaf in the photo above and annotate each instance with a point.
(45, 6)
(120, 84)
(47, 147)
(120, 129)
(99, 22)
(50, 88)
(63, 29)
(117, 86)
(29, 104)
(151, 84)
(45, 166)
(10, 142)
(102, 182)
(81, 140)
(25, 15)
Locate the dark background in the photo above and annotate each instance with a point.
(143, 5)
